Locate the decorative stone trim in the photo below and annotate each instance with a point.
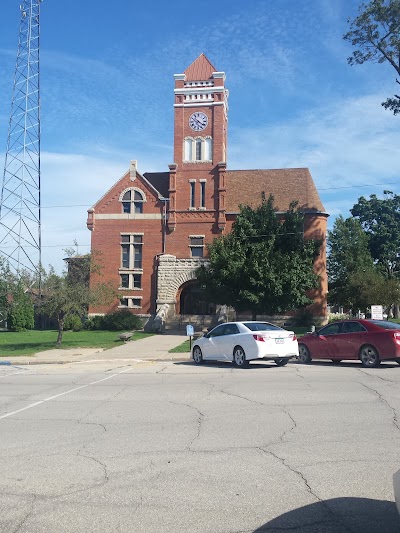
(172, 273)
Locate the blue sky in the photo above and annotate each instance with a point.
(107, 97)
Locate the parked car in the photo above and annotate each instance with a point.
(396, 488)
(370, 341)
(241, 342)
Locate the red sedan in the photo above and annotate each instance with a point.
(370, 341)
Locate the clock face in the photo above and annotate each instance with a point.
(198, 121)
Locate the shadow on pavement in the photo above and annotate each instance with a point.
(339, 515)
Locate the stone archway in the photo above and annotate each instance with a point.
(177, 277)
(191, 300)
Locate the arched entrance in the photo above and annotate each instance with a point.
(193, 301)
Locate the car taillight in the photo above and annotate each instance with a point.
(294, 338)
(261, 338)
(396, 337)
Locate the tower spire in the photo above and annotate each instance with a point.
(20, 208)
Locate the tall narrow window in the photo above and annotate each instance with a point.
(131, 248)
(138, 202)
(137, 251)
(188, 149)
(198, 149)
(202, 193)
(192, 194)
(208, 149)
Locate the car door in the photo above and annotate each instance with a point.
(228, 340)
(349, 340)
(210, 343)
(324, 342)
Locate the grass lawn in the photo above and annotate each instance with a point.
(30, 342)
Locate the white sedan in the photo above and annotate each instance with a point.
(241, 342)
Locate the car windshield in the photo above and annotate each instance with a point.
(385, 325)
(261, 326)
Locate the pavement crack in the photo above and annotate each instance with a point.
(223, 391)
(383, 400)
(309, 489)
(200, 419)
(28, 514)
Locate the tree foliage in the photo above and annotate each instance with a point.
(16, 303)
(348, 255)
(71, 294)
(264, 265)
(380, 219)
(375, 34)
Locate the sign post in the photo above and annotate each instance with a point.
(190, 333)
(376, 312)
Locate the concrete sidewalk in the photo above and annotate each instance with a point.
(154, 348)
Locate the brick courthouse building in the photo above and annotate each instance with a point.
(151, 229)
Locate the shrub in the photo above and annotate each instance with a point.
(73, 322)
(94, 323)
(121, 320)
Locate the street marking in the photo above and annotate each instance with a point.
(14, 374)
(62, 394)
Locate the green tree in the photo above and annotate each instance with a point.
(348, 255)
(375, 34)
(264, 265)
(21, 313)
(71, 294)
(380, 219)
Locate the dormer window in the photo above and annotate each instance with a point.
(132, 201)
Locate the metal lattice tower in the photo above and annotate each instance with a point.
(20, 213)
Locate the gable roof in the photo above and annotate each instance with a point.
(200, 69)
(286, 185)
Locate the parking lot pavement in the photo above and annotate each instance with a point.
(167, 446)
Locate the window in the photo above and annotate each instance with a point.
(131, 281)
(192, 193)
(202, 194)
(125, 281)
(131, 302)
(352, 327)
(132, 201)
(197, 149)
(196, 245)
(131, 248)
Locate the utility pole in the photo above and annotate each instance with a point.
(20, 208)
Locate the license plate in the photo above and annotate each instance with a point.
(279, 341)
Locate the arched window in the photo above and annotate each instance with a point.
(132, 201)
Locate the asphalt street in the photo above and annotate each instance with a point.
(165, 446)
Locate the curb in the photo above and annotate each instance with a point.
(151, 359)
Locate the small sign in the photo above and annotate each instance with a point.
(189, 330)
(376, 312)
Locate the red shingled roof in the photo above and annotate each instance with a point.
(286, 185)
(200, 69)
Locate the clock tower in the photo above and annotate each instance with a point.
(197, 176)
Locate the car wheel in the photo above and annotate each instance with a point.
(304, 354)
(239, 357)
(197, 355)
(336, 361)
(281, 362)
(369, 356)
